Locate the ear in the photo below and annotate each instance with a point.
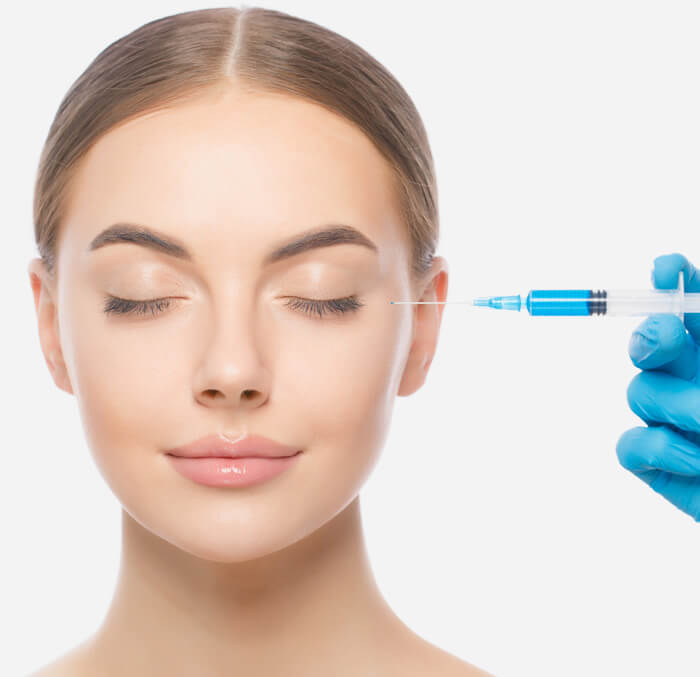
(426, 322)
(47, 317)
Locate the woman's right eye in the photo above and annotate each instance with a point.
(116, 306)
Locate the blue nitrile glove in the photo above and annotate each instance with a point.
(666, 396)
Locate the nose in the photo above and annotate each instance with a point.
(231, 371)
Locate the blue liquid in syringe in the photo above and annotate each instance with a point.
(552, 302)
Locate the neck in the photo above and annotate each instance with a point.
(306, 609)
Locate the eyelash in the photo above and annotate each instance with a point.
(118, 306)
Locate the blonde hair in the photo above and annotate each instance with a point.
(168, 60)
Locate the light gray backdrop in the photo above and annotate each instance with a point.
(567, 146)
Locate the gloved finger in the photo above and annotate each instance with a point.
(664, 275)
(661, 342)
(657, 397)
(680, 490)
(658, 448)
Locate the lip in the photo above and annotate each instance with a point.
(231, 472)
(248, 446)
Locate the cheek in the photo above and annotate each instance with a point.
(341, 387)
(125, 393)
(342, 380)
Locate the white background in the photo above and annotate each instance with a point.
(500, 525)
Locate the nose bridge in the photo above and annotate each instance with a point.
(233, 322)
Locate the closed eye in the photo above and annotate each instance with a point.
(114, 305)
(325, 306)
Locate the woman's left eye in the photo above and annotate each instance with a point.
(325, 306)
(118, 306)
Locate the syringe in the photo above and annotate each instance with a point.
(569, 302)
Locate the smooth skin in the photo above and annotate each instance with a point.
(273, 579)
(665, 395)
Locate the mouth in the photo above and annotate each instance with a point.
(230, 458)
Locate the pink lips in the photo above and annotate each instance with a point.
(217, 461)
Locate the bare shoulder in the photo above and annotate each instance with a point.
(70, 664)
(439, 662)
(424, 658)
(450, 666)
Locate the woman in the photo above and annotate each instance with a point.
(226, 203)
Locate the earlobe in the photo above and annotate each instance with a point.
(58, 370)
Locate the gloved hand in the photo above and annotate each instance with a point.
(666, 396)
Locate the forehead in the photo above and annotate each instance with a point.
(248, 165)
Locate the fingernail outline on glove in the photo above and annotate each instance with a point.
(642, 346)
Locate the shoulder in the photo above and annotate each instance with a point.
(424, 658)
(70, 664)
(57, 668)
(63, 667)
(447, 665)
(451, 666)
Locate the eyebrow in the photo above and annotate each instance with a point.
(323, 236)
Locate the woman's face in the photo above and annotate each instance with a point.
(230, 177)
